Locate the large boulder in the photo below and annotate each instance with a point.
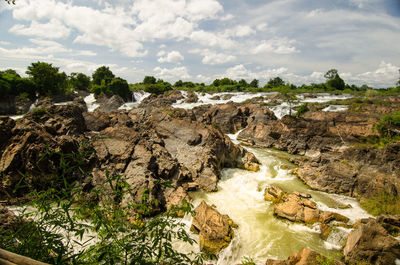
(304, 257)
(215, 230)
(370, 242)
(297, 207)
(109, 104)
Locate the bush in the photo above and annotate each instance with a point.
(158, 88)
(302, 109)
(389, 126)
(123, 234)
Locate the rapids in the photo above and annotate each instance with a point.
(260, 235)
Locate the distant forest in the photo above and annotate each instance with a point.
(44, 79)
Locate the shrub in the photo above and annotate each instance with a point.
(302, 109)
(381, 203)
(389, 126)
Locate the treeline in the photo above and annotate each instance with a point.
(45, 80)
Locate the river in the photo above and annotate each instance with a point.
(260, 234)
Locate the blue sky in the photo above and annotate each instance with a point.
(200, 40)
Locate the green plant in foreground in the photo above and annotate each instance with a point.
(303, 108)
(389, 126)
(113, 232)
(247, 261)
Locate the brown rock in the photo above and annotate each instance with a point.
(370, 242)
(214, 229)
(273, 193)
(304, 257)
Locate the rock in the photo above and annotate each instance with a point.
(166, 99)
(390, 222)
(370, 242)
(111, 104)
(273, 194)
(8, 220)
(304, 257)
(214, 229)
(297, 208)
(325, 230)
(191, 97)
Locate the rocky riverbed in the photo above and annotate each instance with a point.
(157, 141)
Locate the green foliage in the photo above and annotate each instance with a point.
(149, 80)
(334, 82)
(275, 82)
(120, 87)
(302, 109)
(158, 88)
(381, 203)
(79, 81)
(37, 113)
(247, 261)
(119, 233)
(105, 82)
(389, 125)
(102, 73)
(46, 79)
(12, 84)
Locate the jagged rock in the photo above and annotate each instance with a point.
(273, 194)
(297, 208)
(191, 97)
(370, 242)
(215, 230)
(304, 257)
(390, 222)
(109, 104)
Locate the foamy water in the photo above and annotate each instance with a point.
(260, 234)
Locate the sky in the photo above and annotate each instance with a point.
(201, 40)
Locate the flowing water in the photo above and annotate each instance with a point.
(260, 235)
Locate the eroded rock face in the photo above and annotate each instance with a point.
(297, 207)
(370, 242)
(215, 229)
(109, 104)
(303, 257)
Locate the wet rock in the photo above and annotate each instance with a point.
(191, 97)
(8, 220)
(111, 104)
(370, 242)
(297, 208)
(304, 257)
(166, 99)
(273, 194)
(215, 230)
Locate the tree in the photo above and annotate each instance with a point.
(333, 80)
(398, 82)
(178, 83)
(243, 83)
(254, 83)
(102, 73)
(276, 82)
(148, 80)
(79, 81)
(119, 86)
(46, 78)
(10, 2)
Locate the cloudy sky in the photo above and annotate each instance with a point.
(200, 40)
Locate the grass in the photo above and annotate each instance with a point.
(381, 203)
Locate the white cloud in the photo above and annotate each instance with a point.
(213, 58)
(4, 42)
(386, 75)
(52, 30)
(172, 74)
(211, 39)
(278, 46)
(172, 57)
(227, 17)
(240, 31)
(161, 53)
(262, 26)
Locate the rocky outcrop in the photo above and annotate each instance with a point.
(370, 242)
(109, 104)
(314, 132)
(297, 207)
(214, 229)
(304, 257)
(31, 153)
(191, 97)
(162, 100)
(11, 105)
(231, 117)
